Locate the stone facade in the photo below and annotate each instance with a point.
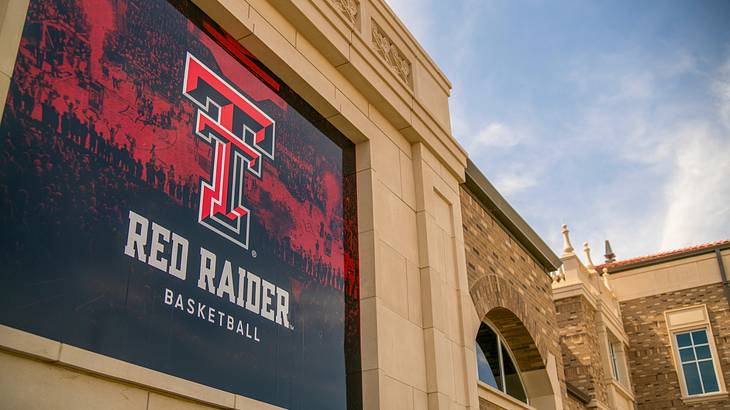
(415, 312)
(580, 345)
(592, 336)
(574, 404)
(656, 382)
(510, 289)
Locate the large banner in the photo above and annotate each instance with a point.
(167, 201)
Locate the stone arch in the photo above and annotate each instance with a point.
(492, 292)
(499, 303)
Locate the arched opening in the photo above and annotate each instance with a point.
(496, 365)
(509, 362)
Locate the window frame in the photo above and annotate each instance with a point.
(689, 319)
(501, 342)
(696, 361)
(613, 360)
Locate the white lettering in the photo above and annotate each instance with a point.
(179, 302)
(241, 278)
(179, 264)
(207, 270)
(136, 241)
(168, 296)
(253, 289)
(282, 307)
(268, 291)
(226, 283)
(156, 260)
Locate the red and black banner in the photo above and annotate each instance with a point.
(166, 200)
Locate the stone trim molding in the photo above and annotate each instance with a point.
(393, 57)
(350, 9)
(40, 348)
(493, 396)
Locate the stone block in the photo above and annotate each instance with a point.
(28, 384)
(118, 369)
(28, 343)
(391, 279)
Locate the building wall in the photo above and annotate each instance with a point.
(417, 352)
(574, 404)
(579, 339)
(654, 376)
(512, 290)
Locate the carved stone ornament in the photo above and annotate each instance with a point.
(349, 8)
(393, 57)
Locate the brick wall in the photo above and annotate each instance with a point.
(573, 404)
(654, 377)
(580, 346)
(509, 285)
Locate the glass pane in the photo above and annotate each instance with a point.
(699, 337)
(483, 369)
(707, 370)
(512, 378)
(703, 352)
(692, 378)
(684, 340)
(686, 354)
(487, 342)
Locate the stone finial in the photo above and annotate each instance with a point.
(589, 261)
(567, 247)
(610, 256)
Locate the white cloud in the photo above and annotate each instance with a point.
(494, 134)
(698, 193)
(641, 160)
(721, 88)
(510, 183)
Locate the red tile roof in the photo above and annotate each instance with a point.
(661, 255)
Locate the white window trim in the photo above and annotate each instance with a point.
(693, 318)
(613, 360)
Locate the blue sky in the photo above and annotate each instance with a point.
(610, 116)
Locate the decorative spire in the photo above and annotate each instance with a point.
(610, 256)
(589, 261)
(567, 247)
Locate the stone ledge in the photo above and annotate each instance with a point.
(18, 341)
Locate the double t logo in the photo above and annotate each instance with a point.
(240, 135)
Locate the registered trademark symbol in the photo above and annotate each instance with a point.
(253, 254)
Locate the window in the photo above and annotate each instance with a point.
(694, 353)
(695, 356)
(614, 360)
(495, 364)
